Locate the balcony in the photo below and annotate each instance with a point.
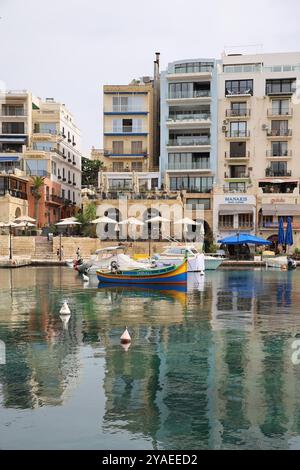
(202, 166)
(240, 176)
(182, 95)
(14, 193)
(125, 109)
(13, 114)
(233, 113)
(186, 121)
(283, 154)
(53, 199)
(189, 141)
(126, 130)
(231, 93)
(280, 112)
(237, 134)
(236, 190)
(272, 90)
(73, 162)
(42, 173)
(279, 133)
(280, 173)
(114, 153)
(237, 157)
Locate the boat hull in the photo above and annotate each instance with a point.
(169, 275)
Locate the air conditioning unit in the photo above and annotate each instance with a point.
(224, 128)
(264, 127)
(225, 122)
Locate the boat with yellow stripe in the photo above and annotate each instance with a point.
(164, 275)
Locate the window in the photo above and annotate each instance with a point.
(126, 125)
(242, 68)
(280, 107)
(194, 67)
(246, 220)
(143, 184)
(226, 221)
(137, 147)
(192, 184)
(12, 110)
(53, 168)
(279, 128)
(237, 187)
(237, 171)
(118, 147)
(237, 149)
(279, 149)
(63, 193)
(69, 194)
(13, 128)
(44, 146)
(195, 204)
(45, 128)
(154, 183)
(238, 129)
(189, 161)
(120, 103)
(137, 166)
(118, 166)
(239, 87)
(238, 108)
(36, 167)
(189, 90)
(120, 183)
(284, 86)
(278, 169)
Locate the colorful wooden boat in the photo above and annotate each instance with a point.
(164, 275)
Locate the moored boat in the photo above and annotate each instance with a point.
(197, 262)
(164, 275)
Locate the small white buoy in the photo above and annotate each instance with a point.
(126, 346)
(125, 338)
(65, 309)
(85, 278)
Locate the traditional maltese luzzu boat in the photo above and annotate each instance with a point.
(165, 275)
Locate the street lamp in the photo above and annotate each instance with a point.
(10, 242)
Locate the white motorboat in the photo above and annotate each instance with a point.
(104, 258)
(276, 262)
(197, 262)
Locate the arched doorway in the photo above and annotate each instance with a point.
(274, 240)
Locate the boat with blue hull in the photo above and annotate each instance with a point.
(164, 275)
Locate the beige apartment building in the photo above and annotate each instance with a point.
(258, 142)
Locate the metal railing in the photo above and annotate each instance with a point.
(270, 172)
(237, 92)
(9, 113)
(14, 193)
(279, 132)
(237, 134)
(108, 152)
(126, 130)
(272, 153)
(228, 155)
(273, 90)
(241, 175)
(189, 141)
(190, 166)
(189, 117)
(280, 112)
(237, 112)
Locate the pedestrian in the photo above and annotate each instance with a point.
(78, 253)
(58, 253)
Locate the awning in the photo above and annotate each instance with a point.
(281, 209)
(230, 209)
(13, 139)
(6, 159)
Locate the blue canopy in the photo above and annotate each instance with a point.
(281, 232)
(289, 233)
(241, 238)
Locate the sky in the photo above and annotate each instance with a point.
(69, 49)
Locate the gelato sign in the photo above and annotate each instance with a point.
(236, 200)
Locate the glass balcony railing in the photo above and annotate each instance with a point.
(126, 109)
(189, 94)
(237, 134)
(279, 132)
(189, 141)
(189, 117)
(277, 173)
(126, 130)
(190, 166)
(279, 153)
(237, 112)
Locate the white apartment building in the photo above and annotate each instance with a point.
(258, 141)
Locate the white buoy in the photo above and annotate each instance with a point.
(65, 309)
(125, 338)
(126, 346)
(85, 278)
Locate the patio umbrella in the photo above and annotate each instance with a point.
(24, 225)
(67, 223)
(241, 238)
(281, 232)
(289, 233)
(24, 218)
(132, 221)
(104, 220)
(186, 221)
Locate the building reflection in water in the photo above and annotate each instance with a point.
(210, 368)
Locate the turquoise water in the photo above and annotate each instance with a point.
(208, 369)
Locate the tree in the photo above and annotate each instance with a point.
(90, 169)
(85, 217)
(37, 183)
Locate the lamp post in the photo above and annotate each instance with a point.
(60, 246)
(10, 243)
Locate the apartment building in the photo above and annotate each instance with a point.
(189, 131)
(258, 142)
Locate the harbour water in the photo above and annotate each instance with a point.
(212, 368)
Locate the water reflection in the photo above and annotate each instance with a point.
(209, 367)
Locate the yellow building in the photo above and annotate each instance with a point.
(128, 126)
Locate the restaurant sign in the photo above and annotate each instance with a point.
(236, 199)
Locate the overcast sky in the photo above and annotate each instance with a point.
(68, 49)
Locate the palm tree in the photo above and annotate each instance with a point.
(37, 182)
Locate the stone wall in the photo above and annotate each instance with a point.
(87, 246)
